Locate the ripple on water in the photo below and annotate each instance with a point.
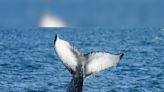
(28, 62)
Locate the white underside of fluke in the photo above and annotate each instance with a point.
(99, 61)
(94, 62)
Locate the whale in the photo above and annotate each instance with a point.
(81, 65)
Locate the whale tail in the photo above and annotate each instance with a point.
(90, 63)
(98, 61)
(82, 65)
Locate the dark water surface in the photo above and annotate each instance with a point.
(28, 62)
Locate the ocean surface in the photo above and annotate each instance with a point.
(28, 62)
(76, 13)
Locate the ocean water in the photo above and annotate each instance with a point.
(28, 62)
(108, 13)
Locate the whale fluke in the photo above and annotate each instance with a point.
(81, 65)
(98, 61)
(67, 53)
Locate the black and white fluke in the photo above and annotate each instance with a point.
(81, 65)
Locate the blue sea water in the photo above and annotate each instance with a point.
(108, 13)
(28, 62)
